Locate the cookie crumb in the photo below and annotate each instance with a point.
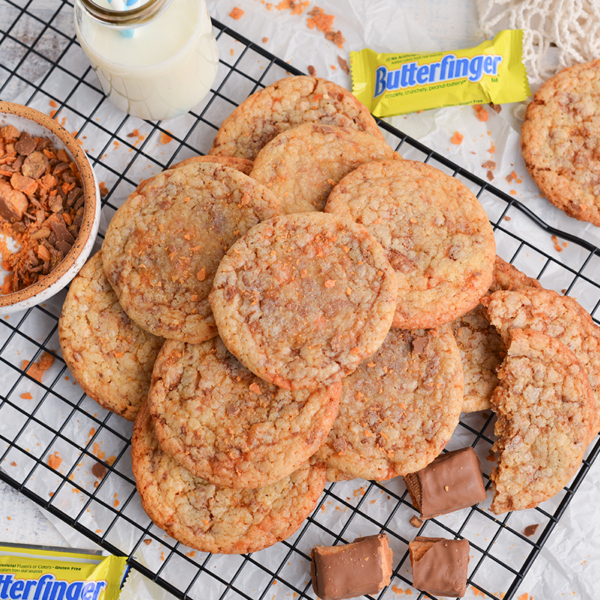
(265, 40)
(457, 138)
(54, 460)
(236, 13)
(496, 107)
(490, 176)
(312, 71)
(531, 529)
(165, 138)
(343, 65)
(99, 470)
(415, 521)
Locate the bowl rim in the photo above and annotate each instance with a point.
(90, 205)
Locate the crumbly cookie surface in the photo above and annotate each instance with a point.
(399, 408)
(546, 414)
(109, 355)
(558, 140)
(435, 232)
(240, 164)
(163, 246)
(480, 345)
(335, 475)
(216, 519)
(302, 165)
(554, 315)
(284, 105)
(222, 423)
(302, 299)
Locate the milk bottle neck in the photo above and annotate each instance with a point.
(139, 15)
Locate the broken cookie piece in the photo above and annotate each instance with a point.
(440, 566)
(363, 567)
(453, 481)
(546, 418)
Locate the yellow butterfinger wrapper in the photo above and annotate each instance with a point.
(40, 573)
(396, 84)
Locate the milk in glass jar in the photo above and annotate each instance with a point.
(155, 59)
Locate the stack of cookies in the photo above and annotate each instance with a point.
(302, 305)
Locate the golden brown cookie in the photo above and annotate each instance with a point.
(241, 164)
(400, 407)
(558, 140)
(546, 419)
(435, 233)
(163, 246)
(480, 345)
(554, 315)
(222, 423)
(217, 519)
(109, 355)
(302, 299)
(301, 165)
(335, 475)
(284, 105)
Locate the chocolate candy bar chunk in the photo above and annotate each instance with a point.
(440, 566)
(363, 567)
(452, 481)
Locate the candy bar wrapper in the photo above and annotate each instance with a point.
(396, 84)
(36, 573)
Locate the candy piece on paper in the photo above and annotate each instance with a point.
(396, 84)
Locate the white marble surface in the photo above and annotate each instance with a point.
(574, 561)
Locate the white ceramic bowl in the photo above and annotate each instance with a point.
(41, 125)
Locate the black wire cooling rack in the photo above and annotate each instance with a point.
(41, 65)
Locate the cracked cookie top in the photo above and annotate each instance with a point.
(284, 105)
(302, 299)
(546, 419)
(222, 423)
(435, 233)
(163, 246)
(109, 355)
(399, 408)
(215, 519)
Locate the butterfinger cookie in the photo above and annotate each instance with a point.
(217, 519)
(435, 233)
(301, 165)
(163, 246)
(302, 299)
(546, 418)
(554, 315)
(241, 164)
(558, 140)
(284, 105)
(399, 408)
(109, 355)
(222, 423)
(480, 345)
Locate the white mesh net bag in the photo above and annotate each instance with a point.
(557, 33)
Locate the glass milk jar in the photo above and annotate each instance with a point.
(154, 61)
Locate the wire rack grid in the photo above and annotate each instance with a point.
(41, 65)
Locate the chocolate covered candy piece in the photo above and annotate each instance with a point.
(363, 567)
(440, 566)
(451, 482)
(13, 204)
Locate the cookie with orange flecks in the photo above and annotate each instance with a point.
(302, 299)
(286, 104)
(222, 423)
(163, 246)
(399, 408)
